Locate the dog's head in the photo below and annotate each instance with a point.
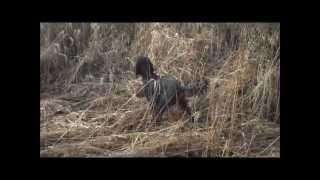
(144, 67)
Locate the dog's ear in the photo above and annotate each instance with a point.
(144, 67)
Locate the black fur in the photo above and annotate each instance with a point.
(144, 68)
(163, 92)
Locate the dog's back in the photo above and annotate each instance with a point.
(162, 90)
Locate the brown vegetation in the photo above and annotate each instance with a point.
(89, 108)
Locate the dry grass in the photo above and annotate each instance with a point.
(89, 108)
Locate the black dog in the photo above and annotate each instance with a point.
(165, 91)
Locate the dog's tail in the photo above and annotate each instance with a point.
(198, 88)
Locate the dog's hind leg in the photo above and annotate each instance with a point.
(184, 105)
